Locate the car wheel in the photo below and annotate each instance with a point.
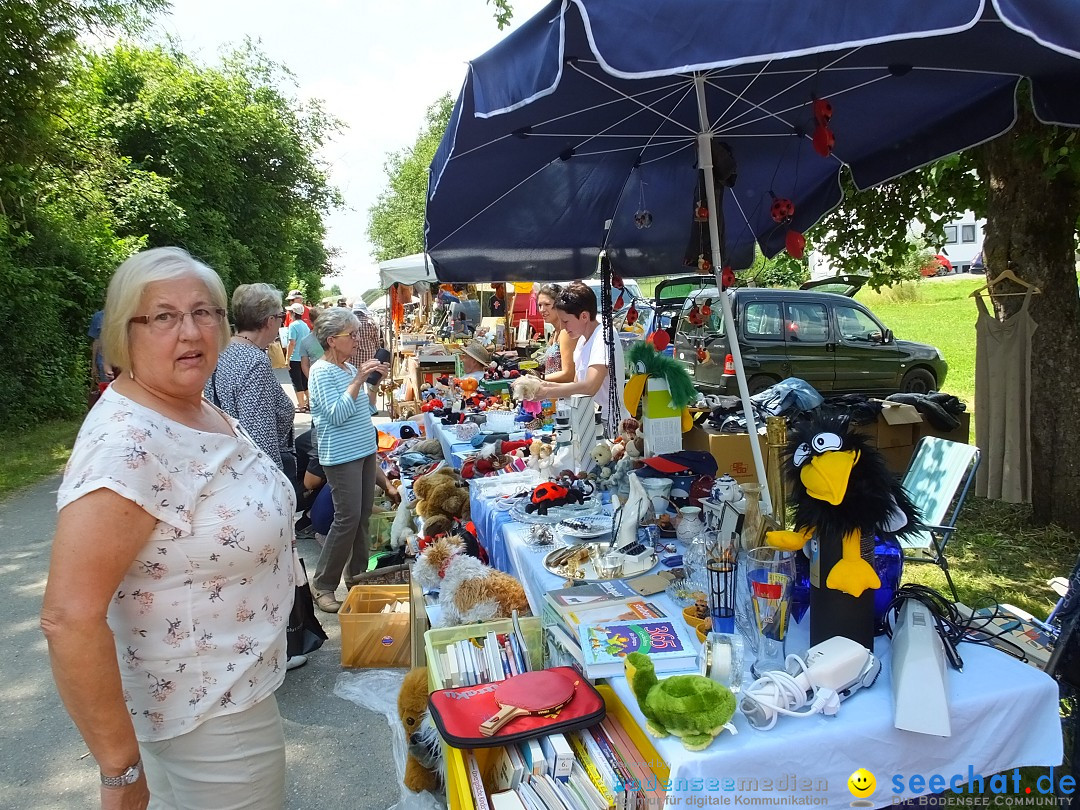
(918, 381)
(759, 383)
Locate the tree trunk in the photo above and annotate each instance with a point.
(1031, 227)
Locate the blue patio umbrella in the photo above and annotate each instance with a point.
(594, 127)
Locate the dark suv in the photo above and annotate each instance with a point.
(831, 341)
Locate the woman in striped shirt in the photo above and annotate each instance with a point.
(341, 409)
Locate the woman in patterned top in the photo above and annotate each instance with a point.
(559, 355)
(341, 409)
(172, 572)
(243, 384)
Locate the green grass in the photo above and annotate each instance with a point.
(34, 453)
(940, 313)
(997, 556)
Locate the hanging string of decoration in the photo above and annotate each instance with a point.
(606, 323)
(643, 216)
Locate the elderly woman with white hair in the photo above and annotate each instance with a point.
(172, 572)
(341, 410)
(244, 385)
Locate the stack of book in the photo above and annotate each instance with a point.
(598, 768)
(593, 627)
(493, 656)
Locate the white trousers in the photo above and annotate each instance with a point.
(232, 762)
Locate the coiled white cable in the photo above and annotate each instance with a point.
(778, 692)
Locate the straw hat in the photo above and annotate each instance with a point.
(475, 349)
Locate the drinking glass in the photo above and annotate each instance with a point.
(770, 574)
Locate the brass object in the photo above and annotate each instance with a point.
(776, 430)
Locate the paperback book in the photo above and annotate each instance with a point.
(605, 645)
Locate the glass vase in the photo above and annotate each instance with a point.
(753, 534)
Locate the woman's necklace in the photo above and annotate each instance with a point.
(249, 340)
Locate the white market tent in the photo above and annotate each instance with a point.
(406, 270)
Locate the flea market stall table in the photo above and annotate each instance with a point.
(452, 447)
(1004, 715)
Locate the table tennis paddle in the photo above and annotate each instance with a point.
(528, 693)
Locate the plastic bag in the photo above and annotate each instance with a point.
(376, 690)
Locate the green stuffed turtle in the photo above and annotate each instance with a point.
(692, 707)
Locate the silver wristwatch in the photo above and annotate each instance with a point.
(128, 777)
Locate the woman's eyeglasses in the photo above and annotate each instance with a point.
(168, 320)
(355, 334)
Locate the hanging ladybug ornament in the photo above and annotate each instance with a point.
(727, 278)
(701, 212)
(659, 339)
(702, 355)
(631, 315)
(782, 209)
(823, 139)
(694, 315)
(703, 264)
(795, 243)
(617, 284)
(706, 308)
(823, 111)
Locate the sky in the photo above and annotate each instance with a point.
(377, 66)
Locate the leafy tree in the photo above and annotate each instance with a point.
(235, 154)
(780, 271)
(1027, 185)
(396, 220)
(503, 12)
(57, 232)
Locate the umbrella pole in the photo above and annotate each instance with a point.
(706, 165)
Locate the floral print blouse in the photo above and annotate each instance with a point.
(199, 618)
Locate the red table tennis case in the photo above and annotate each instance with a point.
(459, 711)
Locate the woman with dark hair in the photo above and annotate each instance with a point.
(558, 364)
(576, 307)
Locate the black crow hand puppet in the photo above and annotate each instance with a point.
(842, 491)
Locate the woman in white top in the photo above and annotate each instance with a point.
(172, 572)
(576, 306)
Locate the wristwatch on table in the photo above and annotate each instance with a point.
(128, 777)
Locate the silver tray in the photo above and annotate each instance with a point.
(584, 570)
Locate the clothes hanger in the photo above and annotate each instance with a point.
(1006, 275)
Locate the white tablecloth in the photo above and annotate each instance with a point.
(1004, 714)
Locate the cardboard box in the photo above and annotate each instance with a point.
(895, 426)
(897, 459)
(370, 638)
(960, 434)
(731, 451)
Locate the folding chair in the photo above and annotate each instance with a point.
(937, 481)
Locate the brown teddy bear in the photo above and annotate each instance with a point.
(423, 750)
(438, 493)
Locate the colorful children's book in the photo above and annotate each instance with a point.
(605, 645)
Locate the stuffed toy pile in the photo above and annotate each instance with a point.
(441, 498)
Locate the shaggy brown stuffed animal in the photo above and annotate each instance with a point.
(421, 758)
(469, 591)
(438, 493)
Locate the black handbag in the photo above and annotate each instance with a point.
(304, 633)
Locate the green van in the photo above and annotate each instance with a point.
(831, 341)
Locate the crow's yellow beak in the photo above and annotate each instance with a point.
(826, 476)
